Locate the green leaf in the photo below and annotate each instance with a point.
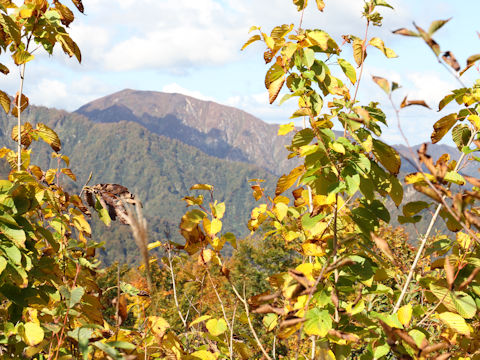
(75, 296)
(110, 351)
(270, 321)
(455, 322)
(442, 126)
(348, 70)
(102, 212)
(414, 207)
(10, 28)
(22, 57)
(199, 320)
(216, 327)
(318, 322)
(303, 137)
(387, 156)
(454, 177)
(436, 25)
(461, 135)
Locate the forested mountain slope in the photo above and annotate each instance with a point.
(159, 170)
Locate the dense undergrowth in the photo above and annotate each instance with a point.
(323, 275)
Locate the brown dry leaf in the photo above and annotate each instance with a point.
(79, 5)
(383, 246)
(405, 32)
(406, 103)
(112, 197)
(449, 272)
(451, 60)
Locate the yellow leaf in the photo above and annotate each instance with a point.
(81, 224)
(455, 322)
(286, 128)
(405, 314)
(204, 355)
(475, 120)
(158, 325)
(212, 227)
(280, 211)
(378, 43)
(337, 147)
(199, 320)
(32, 334)
(216, 327)
(442, 126)
(202, 187)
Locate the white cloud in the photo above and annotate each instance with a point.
(178, 89)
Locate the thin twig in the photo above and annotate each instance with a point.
(247, 312)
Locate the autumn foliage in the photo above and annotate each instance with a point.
(324, 274)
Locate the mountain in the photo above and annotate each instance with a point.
(159, 145)
(217, 130)
(159, 170)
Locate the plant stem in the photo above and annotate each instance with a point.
(19, 118)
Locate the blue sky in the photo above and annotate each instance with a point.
(193, 47)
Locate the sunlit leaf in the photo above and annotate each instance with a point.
(387, 156)
(442, 126)
(436, 25)
(383, 83)
(378, 43)
(33, 333)
(348, 70)
(5, 102)
(216, 327)
(455, 322)
(251, 40)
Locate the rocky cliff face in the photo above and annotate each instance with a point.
(217, 130)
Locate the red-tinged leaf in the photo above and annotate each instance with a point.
(251, 40)
(406, 32)
(382, 82)
(4, 70)
(442, 126)
(436, 25)
(451, 60)
(5, 101)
